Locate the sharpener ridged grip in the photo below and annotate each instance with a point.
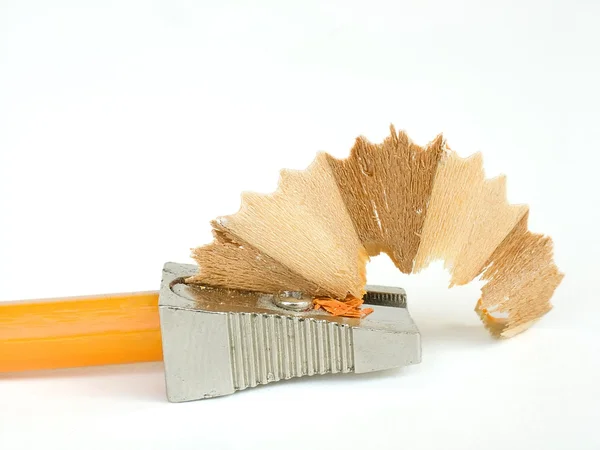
(269, 347)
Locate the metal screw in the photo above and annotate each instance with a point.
(293, 301)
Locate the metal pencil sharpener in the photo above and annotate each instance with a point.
(217, 341)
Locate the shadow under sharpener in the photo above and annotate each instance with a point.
(218, 341)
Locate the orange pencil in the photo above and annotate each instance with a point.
(79, 331)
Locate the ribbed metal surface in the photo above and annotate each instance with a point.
(267, 347)
(394, 299)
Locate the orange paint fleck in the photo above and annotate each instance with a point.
(349, 307)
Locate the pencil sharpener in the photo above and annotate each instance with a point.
(218, 341)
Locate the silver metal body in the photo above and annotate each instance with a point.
(217, 341)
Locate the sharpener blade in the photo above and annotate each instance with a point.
(218, 341)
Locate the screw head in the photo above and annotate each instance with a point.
(293, 301)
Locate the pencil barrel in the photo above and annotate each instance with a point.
(82, 331)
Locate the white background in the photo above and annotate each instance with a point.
(126, 126)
